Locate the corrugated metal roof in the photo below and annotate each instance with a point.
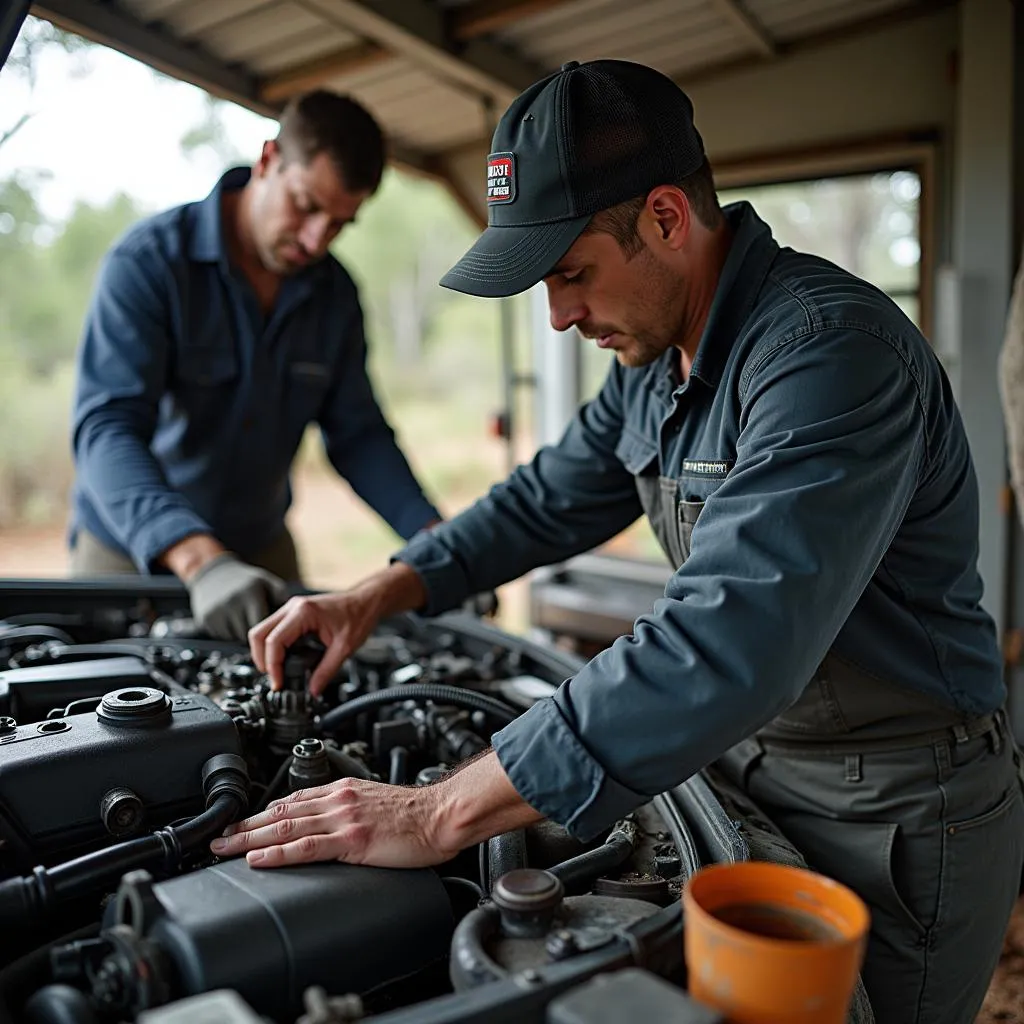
(433, 71)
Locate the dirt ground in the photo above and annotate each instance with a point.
(340, 541)
(1005, 1000)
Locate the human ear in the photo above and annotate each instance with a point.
(668, 211)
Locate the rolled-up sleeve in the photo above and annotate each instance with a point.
(571, 497)
(831, 445)
(361, 444)
(122, 370)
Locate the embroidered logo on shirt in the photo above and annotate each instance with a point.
(708, 467)
(501, 178)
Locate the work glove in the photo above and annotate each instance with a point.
(229, 596)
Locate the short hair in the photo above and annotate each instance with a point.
(327, 122)
(620, 221)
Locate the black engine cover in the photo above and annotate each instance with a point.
(55, 774)
(270, 934)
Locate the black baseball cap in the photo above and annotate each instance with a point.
(577, 142)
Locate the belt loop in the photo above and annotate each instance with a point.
(960, 733)
(995, 731)
(854, 768)
(943, 760)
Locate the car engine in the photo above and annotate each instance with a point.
(128, 741)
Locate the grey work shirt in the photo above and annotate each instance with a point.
(190, 404)
(841, 513)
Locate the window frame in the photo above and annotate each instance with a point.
(916, 152)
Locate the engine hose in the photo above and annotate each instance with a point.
(439, 692)
(26, 635)
(398, 772)
(225, 782)
(59, 1004)
(85, 874)
(275, 784)
(348, 767)
(579, 873)
(21, 977)
(505, 852)
(469, 963)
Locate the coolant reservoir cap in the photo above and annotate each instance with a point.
(135, 705)
(528, 889)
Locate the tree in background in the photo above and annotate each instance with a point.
(35, 37)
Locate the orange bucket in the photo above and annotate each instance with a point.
(770, 944)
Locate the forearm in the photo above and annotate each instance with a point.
(393, 590)
(125, 484)
(379, 473)
(478, 801)
(535, 518)
(186, 557)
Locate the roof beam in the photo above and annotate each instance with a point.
(313, 74)
(104, 23)
(465, 24)
(487, 16)
(745, 24)
(418, 31)
(815, 40)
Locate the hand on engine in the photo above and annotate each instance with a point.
(342, 621)
(351, 820)
(362, 822)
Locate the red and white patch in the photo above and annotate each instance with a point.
(501, 178)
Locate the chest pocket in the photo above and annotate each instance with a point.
(672, 504)
(308, 380)
(201, 366)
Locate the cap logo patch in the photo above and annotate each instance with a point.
(501, 178)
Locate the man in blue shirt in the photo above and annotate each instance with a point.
(217, 332)
(795, 444)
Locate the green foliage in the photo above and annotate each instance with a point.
(35, 37)
(404, 240)
(211, 133)
(48, 273)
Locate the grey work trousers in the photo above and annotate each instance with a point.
(91, 557)
(931, 838)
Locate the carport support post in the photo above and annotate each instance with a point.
(557, 361)
(982, 230)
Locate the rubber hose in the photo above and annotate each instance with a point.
(469, 963)
(578, 873)
(439, 692)
(348, 767)
(275, 784)
(505, 852)
(22, 898)
(21, 977)
(398, 774)
(28, 635)
(85, 873)
(59, 1004)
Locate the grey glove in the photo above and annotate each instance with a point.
(229, 596)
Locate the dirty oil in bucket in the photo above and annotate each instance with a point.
(771, 944)
(776, 922)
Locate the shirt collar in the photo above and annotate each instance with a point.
(206, 244)
(750, 257)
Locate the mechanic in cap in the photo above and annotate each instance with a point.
(795, 444)
(217, 332)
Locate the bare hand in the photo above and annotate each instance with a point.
(341, 621)
(351, 820)
(362, 822)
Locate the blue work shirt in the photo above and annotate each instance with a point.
(190, 406)
(841, 512)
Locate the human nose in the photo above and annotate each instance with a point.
(564, 308)
(315, 235)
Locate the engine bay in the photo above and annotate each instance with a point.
(127, 742)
